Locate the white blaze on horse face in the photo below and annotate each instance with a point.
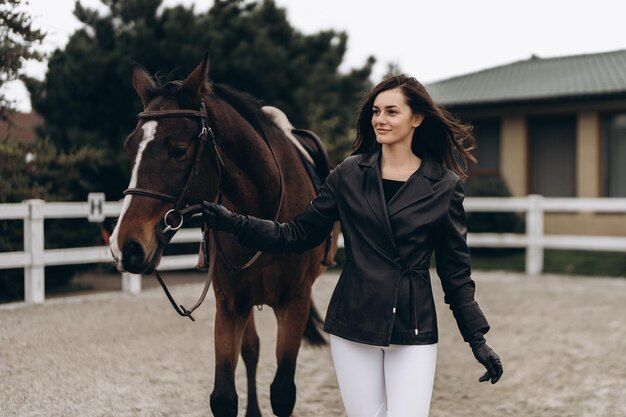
(149, 130)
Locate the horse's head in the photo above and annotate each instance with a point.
(165, 151)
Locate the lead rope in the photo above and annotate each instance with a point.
(180, 309)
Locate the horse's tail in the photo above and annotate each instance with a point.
(312, 332)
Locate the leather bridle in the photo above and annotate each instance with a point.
(165, 230)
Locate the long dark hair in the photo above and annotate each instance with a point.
(440, 135)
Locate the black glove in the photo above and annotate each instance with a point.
(487, 357)
(218, 217)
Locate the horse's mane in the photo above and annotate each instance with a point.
(248, 106)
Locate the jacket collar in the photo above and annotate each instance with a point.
(430, 168)
(415, 189)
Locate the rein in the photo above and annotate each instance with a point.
(182, 210)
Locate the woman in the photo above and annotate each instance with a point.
(398, 198)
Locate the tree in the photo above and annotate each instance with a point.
(87, 98)
(18, 41)
(393, 68)
(39, 170)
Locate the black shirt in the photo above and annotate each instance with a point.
(391, 187)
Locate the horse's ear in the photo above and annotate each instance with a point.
(143, 84)
(197, 79)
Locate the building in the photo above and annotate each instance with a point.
(22, 127)
(550, 126)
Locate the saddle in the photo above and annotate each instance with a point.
(309, 146)
(318, 165)
(318, 168)
(313, 156)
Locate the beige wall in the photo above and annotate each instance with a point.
(514, 154)
(601, 224)
(514, 163)
(588, 155)
(588, 174)
(514, 169)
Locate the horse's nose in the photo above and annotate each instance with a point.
(133, 257)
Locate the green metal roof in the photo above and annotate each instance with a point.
(537, 79)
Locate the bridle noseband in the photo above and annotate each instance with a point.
(166, 231)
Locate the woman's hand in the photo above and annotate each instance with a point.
(218, 217)
(487, 357)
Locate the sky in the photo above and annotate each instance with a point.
(432, 40)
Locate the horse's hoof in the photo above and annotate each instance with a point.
(224, 405)
(283, 398)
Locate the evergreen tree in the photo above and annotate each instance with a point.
(18, 41)
(87, 98)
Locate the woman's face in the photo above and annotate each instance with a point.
(392, 118)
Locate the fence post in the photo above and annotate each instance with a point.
(34, 279)
(131, 283)
(534, 233)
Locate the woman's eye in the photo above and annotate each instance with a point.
(177, 152)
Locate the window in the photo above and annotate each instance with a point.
(614, 135)
(487, 133)
(552, 156)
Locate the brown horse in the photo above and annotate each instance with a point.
(194, 140)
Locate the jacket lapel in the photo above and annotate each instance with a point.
(417, 187)
(373, 191)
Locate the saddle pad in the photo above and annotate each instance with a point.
(309, 146)
(319, 169)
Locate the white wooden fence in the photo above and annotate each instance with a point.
(35, 257)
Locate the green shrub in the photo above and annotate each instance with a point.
(492, 222)
(485, 222)
(49, 175)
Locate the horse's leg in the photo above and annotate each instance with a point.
(250, 355)
(229, 326)
(291, 320)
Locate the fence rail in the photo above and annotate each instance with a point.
(35, 257)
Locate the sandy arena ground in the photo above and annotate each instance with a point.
(562, 341)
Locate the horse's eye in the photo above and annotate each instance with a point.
(177, 152)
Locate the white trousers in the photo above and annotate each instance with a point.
(379, 381)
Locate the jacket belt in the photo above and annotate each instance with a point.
(410, 272)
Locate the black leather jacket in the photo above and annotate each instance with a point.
(384, 293)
